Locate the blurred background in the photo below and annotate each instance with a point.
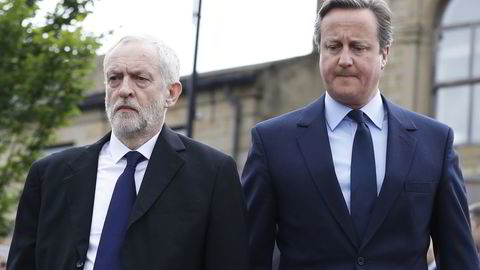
(255, 60)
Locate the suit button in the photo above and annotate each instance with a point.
(79, 264)
(361, 261)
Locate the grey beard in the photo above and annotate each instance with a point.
(129, 125)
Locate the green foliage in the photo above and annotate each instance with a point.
(43, 72)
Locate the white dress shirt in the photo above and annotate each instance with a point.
(341, 132)
(111, 164)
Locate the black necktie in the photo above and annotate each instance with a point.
(115, 226)
(363, 175)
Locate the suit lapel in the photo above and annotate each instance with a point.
(162, 167)
(80, 193)
(314, 145)
(80, 185)
(400, 150)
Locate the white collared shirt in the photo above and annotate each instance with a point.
(111, 164)
(341, 132)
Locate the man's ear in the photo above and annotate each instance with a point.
(173, 94)
(384, 52)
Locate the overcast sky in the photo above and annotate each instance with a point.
(233, 32)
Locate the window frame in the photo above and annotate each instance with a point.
(470, 81)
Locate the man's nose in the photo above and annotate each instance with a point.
(345, 58)
(126, 89)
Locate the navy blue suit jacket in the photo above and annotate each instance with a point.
(294, 198)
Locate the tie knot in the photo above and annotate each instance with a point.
(133, 158)
(357, 116)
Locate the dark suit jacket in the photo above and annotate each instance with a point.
(293, 197)
(189, 213)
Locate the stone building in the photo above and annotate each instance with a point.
(433, 68)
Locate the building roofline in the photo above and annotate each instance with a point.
(208, 81)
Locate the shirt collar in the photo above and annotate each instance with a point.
(375, 111)
(335, 111)
(118, 149)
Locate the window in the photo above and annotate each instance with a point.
(457, 73)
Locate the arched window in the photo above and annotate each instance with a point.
(457, 71)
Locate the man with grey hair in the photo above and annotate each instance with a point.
(353, 181)
(142, 197)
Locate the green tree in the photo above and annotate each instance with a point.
(43, 73)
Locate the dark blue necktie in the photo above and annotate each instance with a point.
(363, 175)
(115, 226)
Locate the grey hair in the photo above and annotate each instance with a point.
(379, 8)
(168, 62)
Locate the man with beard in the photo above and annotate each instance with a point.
(142, 197)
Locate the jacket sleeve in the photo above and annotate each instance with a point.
(22, 249)
(450, 229)
(226, 239)
(261, 205)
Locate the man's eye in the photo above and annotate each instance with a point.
(113, 78)
(359, 48)
(141, 77)
(333, 47)
(142, 80)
